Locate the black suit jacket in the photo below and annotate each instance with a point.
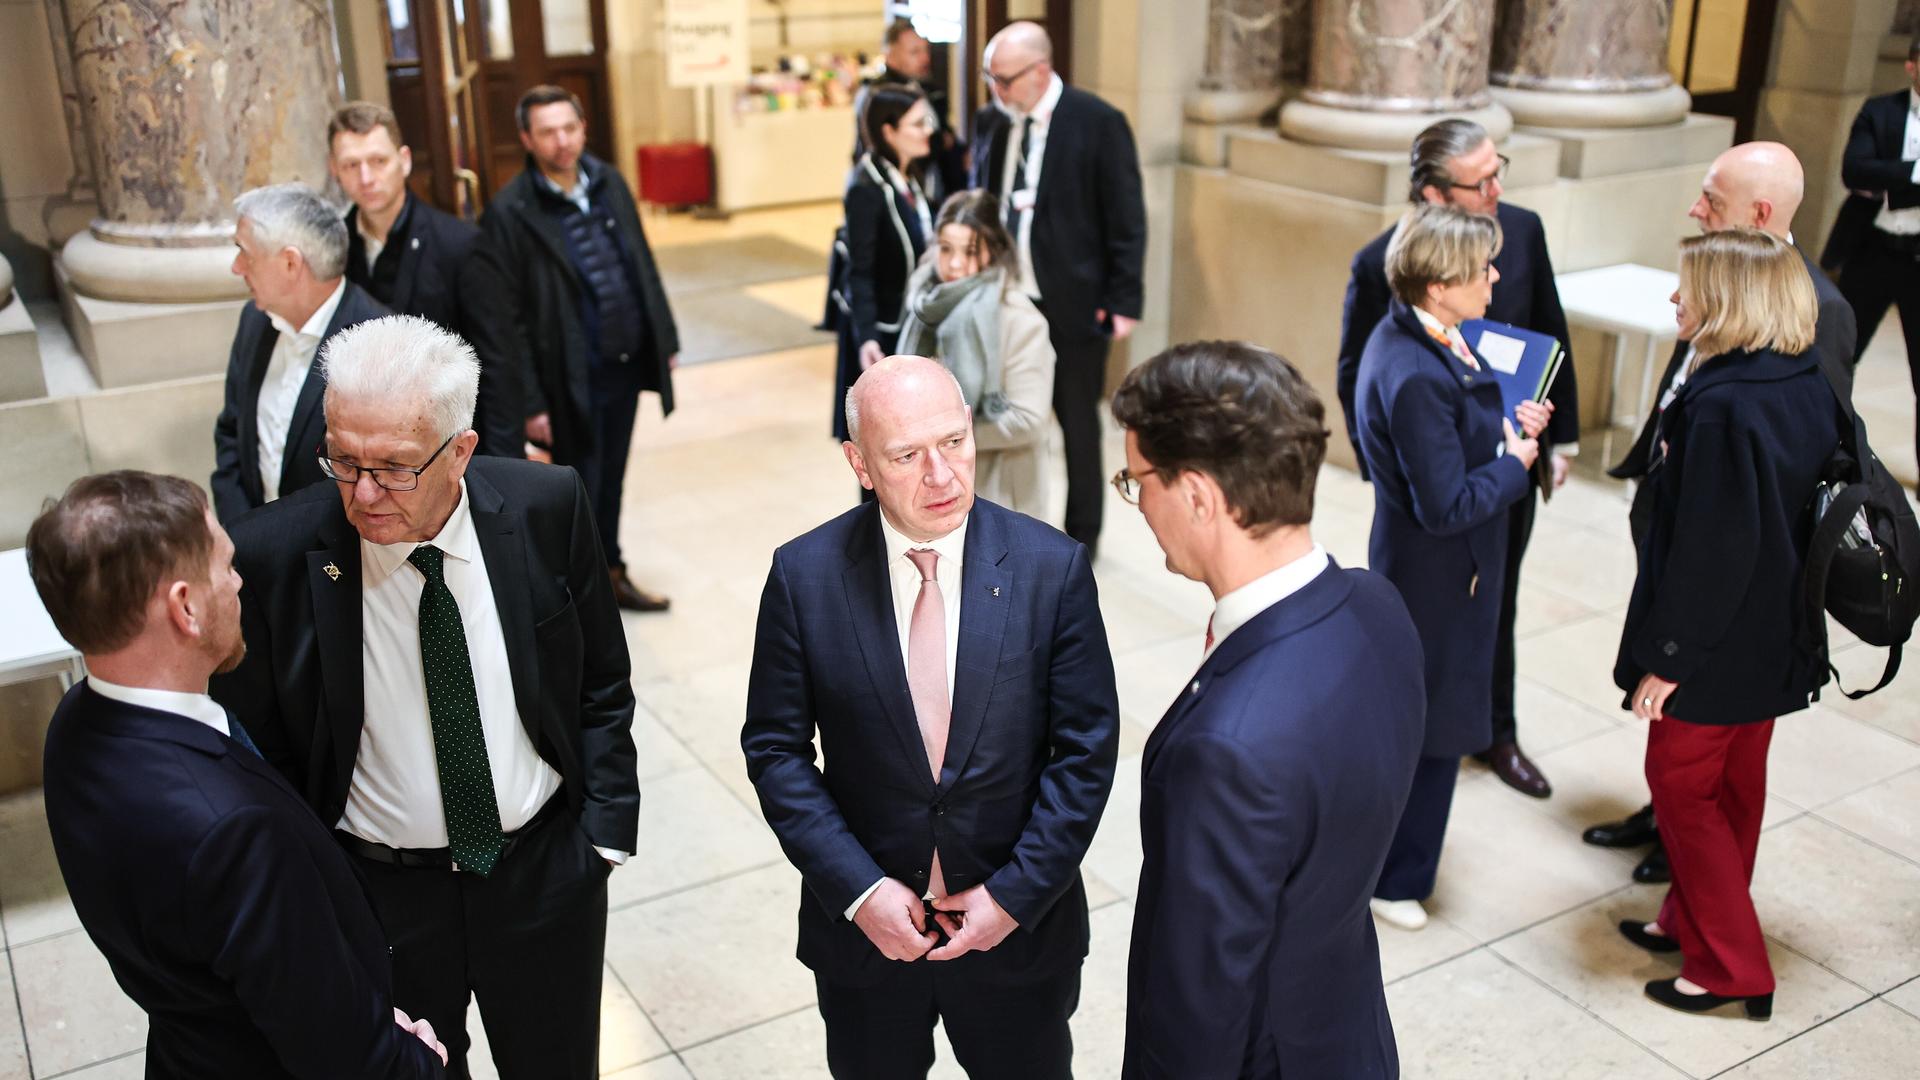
(226, 910)
(1874, 169)
(1089, 218)
(884, 243)
(1525, 296)
(1030, 752)
(438, 280)
(300, 689)
(236, 456)
(1270, 792)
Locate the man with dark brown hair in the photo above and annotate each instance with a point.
(1272, 786)
(223, 906)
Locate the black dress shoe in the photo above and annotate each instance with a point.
(633, 597)
(1516, 771)
(1636, 932)
(1636, 830)
(1758, 1006)
(1653, 869)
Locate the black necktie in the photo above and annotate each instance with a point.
(453, 711)
(1013, 213)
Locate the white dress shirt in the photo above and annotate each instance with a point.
(394, 798)
(369, 243)
(1905, 222)
(1036, 154)
(905, 580)
(1237, 608)
(198, 707)
(280, 390)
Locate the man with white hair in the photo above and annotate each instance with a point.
(438, 665)
(292, 253)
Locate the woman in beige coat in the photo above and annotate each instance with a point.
(965, 308)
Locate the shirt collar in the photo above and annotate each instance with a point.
(581, 181)
(456, 539)
(1042, 111)
(1913, 100)
(1237, 608)
(196, 707)
(316, 323)
(950, 547)
(1430, 322)
(395, 231)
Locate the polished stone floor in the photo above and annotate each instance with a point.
(1519, 975)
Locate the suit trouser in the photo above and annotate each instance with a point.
(614, 403)
(528, 941)
(1878, 277)
(1413, 860)
(885, 1032)
(1079, 384)
(1709, 786)
(1519, 531)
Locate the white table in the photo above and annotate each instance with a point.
(1624, 299)
(30, 648)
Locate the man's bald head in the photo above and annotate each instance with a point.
(1019, 66)
(884, 385)
(1752, 185)
(911, 441)
(1023, 41)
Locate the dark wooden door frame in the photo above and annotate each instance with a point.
(986, 17)
(1742, 103)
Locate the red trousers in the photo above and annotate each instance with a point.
(1709, 786)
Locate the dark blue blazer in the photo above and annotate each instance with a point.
(1030, 753)
(224, 907)
(1525, 296)
(1429, 431)
(1716, 605)
(1269, 794)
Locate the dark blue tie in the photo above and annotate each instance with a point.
(239, 735)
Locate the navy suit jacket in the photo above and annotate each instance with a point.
(224, 907)
(1269, 794)
(1525, 296)
(1030, 752)
(1430, 431)
(236, 483)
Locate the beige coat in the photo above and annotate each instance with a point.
(1011, 465)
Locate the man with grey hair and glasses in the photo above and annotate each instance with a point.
(1455, 162)
(438, 666)
(292, 253)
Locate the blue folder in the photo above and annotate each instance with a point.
(1524, 363)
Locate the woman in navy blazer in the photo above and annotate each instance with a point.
(1709, 650)
(1446, 466)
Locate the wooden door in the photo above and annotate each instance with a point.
(526, 43)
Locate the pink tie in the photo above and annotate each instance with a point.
(927, 677)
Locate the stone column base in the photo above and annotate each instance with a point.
(1230, 106)
(1358, 129)
(67, 217)
(1568, 109)
(21, 376)
(151, 275)
(127, 344)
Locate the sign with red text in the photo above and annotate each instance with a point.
(706, 42)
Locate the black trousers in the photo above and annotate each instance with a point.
(1878, 277)
(615, 403)
(998, 1030)
(1079, 384)
(1413, 859)
(528, 941)
(1519, 531)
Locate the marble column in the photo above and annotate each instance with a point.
(65, 215)
(1585, 63)
(186, 105)
(1296, 41)
(1243, 62)
(1382, 70)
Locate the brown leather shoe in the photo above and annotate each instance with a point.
(1516, 771)
(633, 597)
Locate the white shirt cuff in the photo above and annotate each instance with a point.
(1571, 449)
(1916, 172)
(617, 858)
(854, 908)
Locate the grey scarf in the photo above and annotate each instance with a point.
(958, 324)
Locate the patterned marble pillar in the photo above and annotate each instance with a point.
(1585, 63)
(186, 105)
(1296, 42)
(1242, 80)
(1382, 70)
(65, 215)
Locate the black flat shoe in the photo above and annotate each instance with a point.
(1636, 830)
(1636, 932)
(1758, 1007)
(1653, 870)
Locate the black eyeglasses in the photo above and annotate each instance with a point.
(1006, 81)
(391, 477)
(1499, 174)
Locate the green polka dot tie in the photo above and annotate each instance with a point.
(453, 708)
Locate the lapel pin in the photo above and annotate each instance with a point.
(416, 243)
(332, 572)
(995, 589)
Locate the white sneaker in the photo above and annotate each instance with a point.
(1404, 914)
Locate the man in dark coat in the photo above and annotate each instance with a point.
(224, 908)
(582, 297)
(1271, 789)
(1456, 162)
(416, 259)
(909, 61)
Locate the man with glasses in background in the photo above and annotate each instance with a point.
(1455, 162)
(437, 664)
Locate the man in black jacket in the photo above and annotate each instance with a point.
(416, 259)
(585, 307)
(1063, 164)
(909, 61)
(223, 907)
(1455, 161)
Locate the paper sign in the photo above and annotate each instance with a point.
(1502, 352)
(706, 42)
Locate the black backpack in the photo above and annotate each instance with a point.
(1863, 563)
